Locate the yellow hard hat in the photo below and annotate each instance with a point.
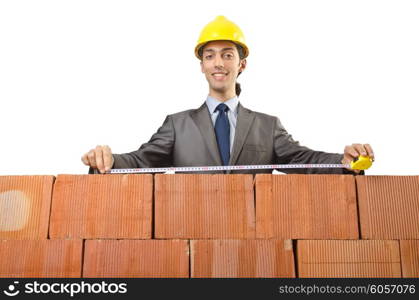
(221, 29)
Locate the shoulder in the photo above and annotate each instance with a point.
(186, 113)
(181, 114)
(257, 114)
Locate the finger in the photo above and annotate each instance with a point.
(99, 159)
(351, 152)
(360, 149)
(107, 158)
(91, 157)
(85, 159)
(370, 151)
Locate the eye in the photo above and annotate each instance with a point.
(228, 55)
(209, 56)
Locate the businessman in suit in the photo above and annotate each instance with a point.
(222, 131)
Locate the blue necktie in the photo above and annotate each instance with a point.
(222, 132)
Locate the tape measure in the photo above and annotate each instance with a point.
(362, 163)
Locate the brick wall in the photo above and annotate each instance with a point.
(187, 225)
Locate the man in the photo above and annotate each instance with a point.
(222, 131)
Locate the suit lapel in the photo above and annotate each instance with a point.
(245, 119)
(202, 119)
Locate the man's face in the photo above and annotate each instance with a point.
(221, 64)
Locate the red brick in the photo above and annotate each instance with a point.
(201, 206)
(409, 250)
(102, 206)
(136, 258)
(40, 258)
(388, 207)
(306, 207)
(351, 258)
(24, 206)
(242, 258)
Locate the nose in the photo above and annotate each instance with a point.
(218, 61)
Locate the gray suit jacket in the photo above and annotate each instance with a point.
(188, 139)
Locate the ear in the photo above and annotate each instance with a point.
(202, 67)
(243, 64)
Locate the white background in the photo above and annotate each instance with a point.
(75, 74)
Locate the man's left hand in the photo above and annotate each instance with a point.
(354, 151)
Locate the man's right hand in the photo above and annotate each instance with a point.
(100, 158)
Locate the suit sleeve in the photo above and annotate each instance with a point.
(289, 151)
(157, 152)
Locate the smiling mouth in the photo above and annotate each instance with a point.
(219, 75)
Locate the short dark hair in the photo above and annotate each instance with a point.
(239, 49)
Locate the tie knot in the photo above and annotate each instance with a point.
(222, 107)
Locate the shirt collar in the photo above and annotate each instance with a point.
(212, 104)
